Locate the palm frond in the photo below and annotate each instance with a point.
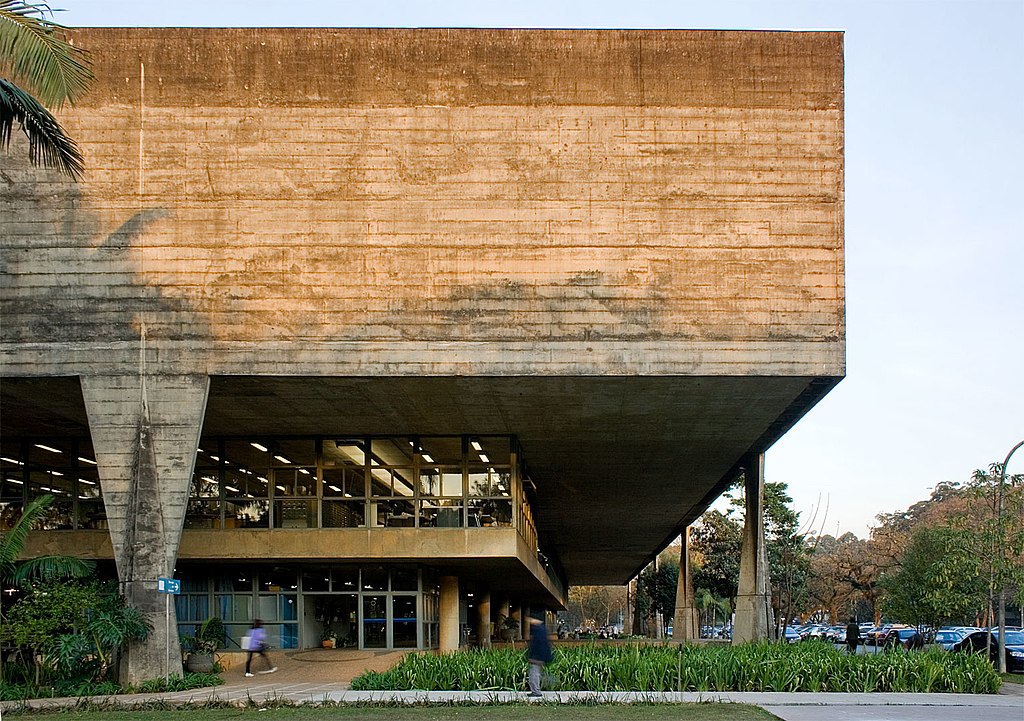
(33, 53)
(12, 542)
(48, 144)
(51, 568)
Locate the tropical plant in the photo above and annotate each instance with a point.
(207, 639)
(44, 568)
(90, 649)
(36, 59)
(810, 666)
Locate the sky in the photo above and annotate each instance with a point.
(934, 211)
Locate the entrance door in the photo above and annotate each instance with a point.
(375, 621)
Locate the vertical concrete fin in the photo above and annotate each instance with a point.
(753, 600)
(684, 624)
(145, 430)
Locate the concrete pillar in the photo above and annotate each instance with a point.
(684, 623)
(517, 614)
(145, 430)
(753, 599)
(448, 633)
(483, 627)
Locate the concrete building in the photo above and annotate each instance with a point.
(388, 333)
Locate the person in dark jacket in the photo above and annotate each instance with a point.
(539, 653)
(852, 636)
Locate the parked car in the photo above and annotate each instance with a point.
(975, 643)
(791, 635)
(890, 629)
(908, 638)
(947, 638)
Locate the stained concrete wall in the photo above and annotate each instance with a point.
(670, 201)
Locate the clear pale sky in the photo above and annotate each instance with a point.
(934, 217)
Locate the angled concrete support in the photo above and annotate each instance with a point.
(145, 431)
(684, 623)
(753, 599)
(449, 631)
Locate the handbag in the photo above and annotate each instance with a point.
(247, 642)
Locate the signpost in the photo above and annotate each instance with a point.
(168, 587)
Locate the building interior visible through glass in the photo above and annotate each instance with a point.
(375, 482)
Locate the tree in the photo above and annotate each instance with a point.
(34, 54)
(938, 580)
(715, 540)
(658, 584)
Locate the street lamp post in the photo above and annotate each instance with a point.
(1002, 588)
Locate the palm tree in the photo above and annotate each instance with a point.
(43, 568)
(33, 53)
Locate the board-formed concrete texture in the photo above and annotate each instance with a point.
(623, 247)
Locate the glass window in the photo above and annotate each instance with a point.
(375, 579)
(391, 451)
(404, 579)
(374, 621)
(345, 578)
(403, 621)
(344, 481)
(316, 579)
(344, 514)
(278, 579)
(441, 450)
(294, 453)
(436, 481)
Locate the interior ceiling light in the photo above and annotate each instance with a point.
(476, 445)
(87, 482)
(47, 448)
(259, 447)
(11, 460)
(335, 489)
(427, 458)
(57, 473)
(283, 459)
(86, 460)
(231, 488)
(484, 458)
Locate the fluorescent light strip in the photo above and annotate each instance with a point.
(476, 445)
(427, 458)
(86, 460)
(283, 459)
(258, 447)
(231, 488)
(11, 460)
(484, 458)
(87, 482)
(335, 489)
(47, 448)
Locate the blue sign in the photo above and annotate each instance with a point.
(168, 585)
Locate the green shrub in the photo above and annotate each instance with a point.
(813, 667)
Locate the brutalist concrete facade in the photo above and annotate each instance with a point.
(622, 248)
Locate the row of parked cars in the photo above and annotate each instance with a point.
(964, 639)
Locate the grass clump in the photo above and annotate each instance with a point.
(811, 667)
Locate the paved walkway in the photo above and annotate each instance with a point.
(316, 676)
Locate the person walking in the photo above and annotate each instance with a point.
(539, 653)
(257, 645)
(852, 636)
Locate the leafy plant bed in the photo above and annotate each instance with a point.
(20, 692)
(813, 667)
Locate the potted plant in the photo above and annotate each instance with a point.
(327, 637)
(508, 627)
(202, 646)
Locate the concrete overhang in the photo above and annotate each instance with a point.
(620, 464)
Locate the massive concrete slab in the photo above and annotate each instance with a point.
(624, 247)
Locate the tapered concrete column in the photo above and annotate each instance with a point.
(145, 429)
(753, 600)
(483, 627)
(684, 623)
(449, 614)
